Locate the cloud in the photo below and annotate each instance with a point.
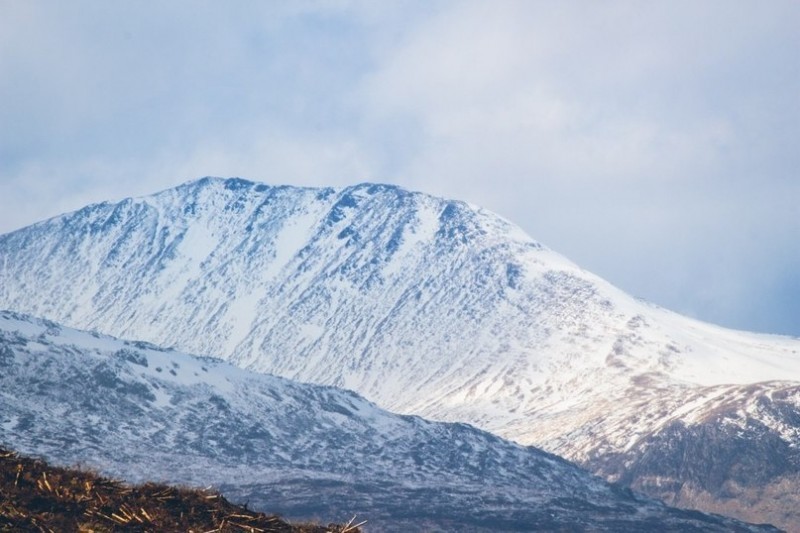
(114, 100)
(617, 91)
(649, 142)
(652, 143)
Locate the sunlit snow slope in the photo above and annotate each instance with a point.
(423, 305)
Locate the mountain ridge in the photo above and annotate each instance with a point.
(424, 305)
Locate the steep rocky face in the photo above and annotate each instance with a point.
(740, 457)
(423, 305)
(142, 413)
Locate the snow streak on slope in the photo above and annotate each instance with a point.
(423, 305)
(140, 412)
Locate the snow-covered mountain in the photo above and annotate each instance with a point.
(431, 307)
(144, 413)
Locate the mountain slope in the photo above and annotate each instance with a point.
(423, 305)
(139, 412)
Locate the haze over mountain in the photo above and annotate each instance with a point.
(432, 307)
(139, 412)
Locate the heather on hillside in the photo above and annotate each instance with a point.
(37, 497)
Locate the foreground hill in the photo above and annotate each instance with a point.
(436, 308)
(140, 413)
(35, 496)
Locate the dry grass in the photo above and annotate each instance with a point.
(37, 497)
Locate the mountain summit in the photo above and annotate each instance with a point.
(432, 307)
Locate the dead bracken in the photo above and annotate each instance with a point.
(37, 497)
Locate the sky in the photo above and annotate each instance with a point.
(656, 144)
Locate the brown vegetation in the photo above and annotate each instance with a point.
(37, 497)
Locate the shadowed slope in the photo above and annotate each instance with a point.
(141, 413)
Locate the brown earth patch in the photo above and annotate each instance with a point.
(37, 497)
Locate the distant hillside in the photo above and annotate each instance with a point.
(137, 412)
(35, 496)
